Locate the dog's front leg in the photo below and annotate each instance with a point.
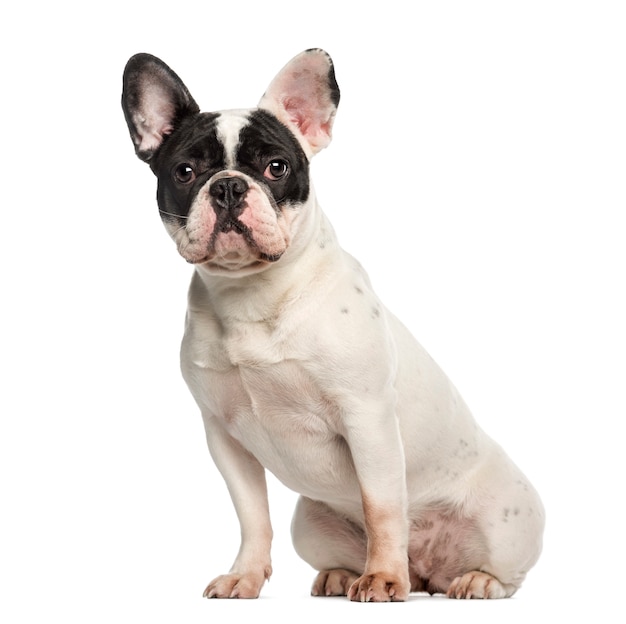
(373, 435)
(245, 478)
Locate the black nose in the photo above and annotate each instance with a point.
(228, 193)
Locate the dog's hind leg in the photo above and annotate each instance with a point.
(509, 521)
(331, 544)
(512, 522)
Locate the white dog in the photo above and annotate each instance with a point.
(298, 367)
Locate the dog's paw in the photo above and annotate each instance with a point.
(333, 582)
(235, 586)
(380, 588)
(477, 585)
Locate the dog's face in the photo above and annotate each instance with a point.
(232, 185)
(229, 187)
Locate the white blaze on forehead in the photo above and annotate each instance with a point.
(229, 126)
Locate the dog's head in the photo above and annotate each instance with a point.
(232, 185)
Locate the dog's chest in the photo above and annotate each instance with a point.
(275, 407)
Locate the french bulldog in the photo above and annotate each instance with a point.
(298, 368)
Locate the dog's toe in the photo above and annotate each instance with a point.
(380, 588)
(234, 586)
(477, 585)
(333, 582)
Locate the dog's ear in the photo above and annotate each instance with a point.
(154, 100)
(305, 96)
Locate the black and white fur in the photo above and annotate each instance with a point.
(298, 368)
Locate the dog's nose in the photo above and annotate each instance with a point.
(227, 193)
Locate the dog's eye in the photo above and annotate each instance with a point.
(184, 173)
(276, 170)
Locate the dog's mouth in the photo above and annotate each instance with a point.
(234, 265)
(233, 249)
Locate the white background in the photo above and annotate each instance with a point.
(477, 171)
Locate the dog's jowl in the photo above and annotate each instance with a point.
(298, 368)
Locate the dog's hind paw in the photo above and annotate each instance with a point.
(478, 585)
(333, 582)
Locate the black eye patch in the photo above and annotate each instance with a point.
(194, 145)
(264, 141)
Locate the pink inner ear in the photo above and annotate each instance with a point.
(155, 119)
(301, 97)
(312, 120)
(298, 112)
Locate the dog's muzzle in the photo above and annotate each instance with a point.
(228, 200)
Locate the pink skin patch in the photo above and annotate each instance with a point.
(232, 252)
(443, 545)
(193, 240)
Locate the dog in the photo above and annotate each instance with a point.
(298, 368)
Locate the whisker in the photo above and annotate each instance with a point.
(182, 227)
(171, 214)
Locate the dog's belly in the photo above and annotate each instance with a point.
(279, 414)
